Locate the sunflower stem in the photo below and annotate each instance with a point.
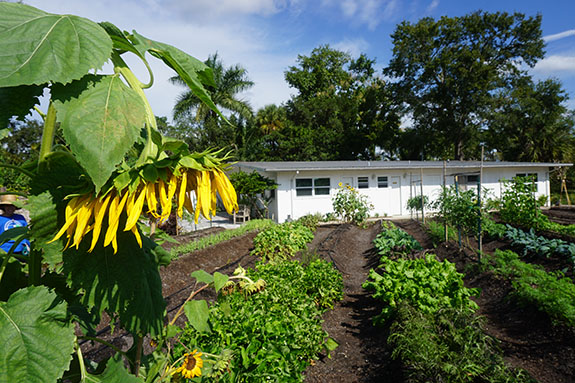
(34, 267)
(80, 361)
(138, 360)
(48, 132)
(7, 257)
(151, 150)
(192, 295)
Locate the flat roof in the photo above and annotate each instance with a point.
(289, 166)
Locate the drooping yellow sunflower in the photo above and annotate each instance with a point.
(85, 213)
(192, 365)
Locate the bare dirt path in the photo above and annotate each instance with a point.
(362, 355)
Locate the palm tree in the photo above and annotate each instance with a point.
(270, 118)
(229, 82)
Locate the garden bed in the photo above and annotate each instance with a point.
(526, 337)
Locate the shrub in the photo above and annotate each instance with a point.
(281, 242)
(350, 205)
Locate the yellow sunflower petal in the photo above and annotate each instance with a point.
(99, 214)
(136, 211)
(116, 208)
(70, 214)
(84, 215)
(151, 199)
(182, 193)
(137, 234)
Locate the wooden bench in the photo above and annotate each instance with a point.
(242, 214)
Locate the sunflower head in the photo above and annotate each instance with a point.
(191, 366)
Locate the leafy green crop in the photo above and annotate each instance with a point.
(424, 283)
(551, 293)
(282, 242)
(538, 245)
(395, 241)
(448, 346)
(274, 333)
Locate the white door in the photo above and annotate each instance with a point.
(395, 207)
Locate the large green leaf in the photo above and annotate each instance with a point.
(39, 47)
(127, 283)
(17, 101)
(37, 340)
(101, 118)
(195, 73)
(43, 227)
(198, 314)
(115, 372)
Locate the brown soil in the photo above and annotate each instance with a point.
(526, 337)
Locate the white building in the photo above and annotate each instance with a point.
(308, 187)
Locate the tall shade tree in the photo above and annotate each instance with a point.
(531, 123)
(207, 128)
(447, 70)
(342, 110)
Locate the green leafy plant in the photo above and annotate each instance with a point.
(518, 202)
(350, 205)
(310, 220)
(416, 203)
(393, 240)
(551, 293)
(459, 209)
(281, 242)
(531, 243)
(275, 332)
(437, 231)
(448, 345)
(425, 283)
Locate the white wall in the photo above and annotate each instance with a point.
(390, 201)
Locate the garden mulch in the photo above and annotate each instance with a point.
(526, 337)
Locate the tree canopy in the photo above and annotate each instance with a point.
(447, 71)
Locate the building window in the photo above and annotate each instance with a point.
(362, 182)
(312, 186)
(321, 186)
(532, 177)
(382, 182)
(472, 179)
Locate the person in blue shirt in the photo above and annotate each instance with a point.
(8, 220)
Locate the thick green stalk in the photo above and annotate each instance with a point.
(48, 133)
(151, 150)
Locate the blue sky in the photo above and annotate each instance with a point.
(266, 36)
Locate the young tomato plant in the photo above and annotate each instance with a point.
(88, 253)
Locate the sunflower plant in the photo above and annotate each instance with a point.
(87, 196)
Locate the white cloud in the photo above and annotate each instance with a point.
(558, 36)
(432, 6)
(366, 12)
(354, 47)
(556, 63)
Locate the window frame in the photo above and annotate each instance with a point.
(361, 179)
(380, 182)
(313, 186)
